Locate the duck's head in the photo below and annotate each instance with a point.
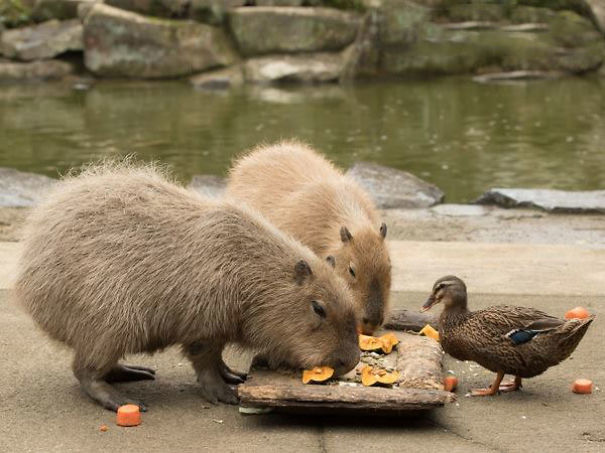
(450, 290)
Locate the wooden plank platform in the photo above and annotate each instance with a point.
(420, 387)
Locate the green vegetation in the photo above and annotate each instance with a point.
(14, 13)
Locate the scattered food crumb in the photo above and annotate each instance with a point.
(103, 428)
(215, 420)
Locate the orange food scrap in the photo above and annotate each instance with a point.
(317, 374)
(583, 386)
(371, 376)
(577, 313)
(430, 332)
(450, 383)
(103, 428)
(388, 341)
(369, 343)
(128, 415)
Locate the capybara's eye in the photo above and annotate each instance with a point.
(318, 309)
(351, 270)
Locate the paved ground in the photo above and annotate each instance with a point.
(42, 409)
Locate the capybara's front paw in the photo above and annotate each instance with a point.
(214, 389)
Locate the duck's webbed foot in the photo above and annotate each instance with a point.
(511, 386)
(492, 390)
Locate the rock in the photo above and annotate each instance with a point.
(56, 9)
(265, 30)
(392, 188)
(219, 80)
(281, 3)
(517, 76)
(307, 68)
(42, 41)
(120, 43)
(592, 201)
(598, 11)
(158, 8)
(15, 72)
(19, 189)
(208, 185)
(212, 11)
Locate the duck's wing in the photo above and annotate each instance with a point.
(517, 324)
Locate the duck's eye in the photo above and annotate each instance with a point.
(351, 271)
(318, 309)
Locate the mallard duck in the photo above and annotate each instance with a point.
(519, 341)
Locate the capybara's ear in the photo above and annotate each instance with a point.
(345, 234)
(302, 270)
(383, 230)
(331, 260)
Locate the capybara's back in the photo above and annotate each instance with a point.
(305, 195)
(120, 260)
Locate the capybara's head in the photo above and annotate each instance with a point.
(363, 261)
(315, 323)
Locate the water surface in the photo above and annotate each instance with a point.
(463, 136)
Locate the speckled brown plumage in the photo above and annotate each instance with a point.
(481, 336)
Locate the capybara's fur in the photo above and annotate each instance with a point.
(306, 196)
(120, 260)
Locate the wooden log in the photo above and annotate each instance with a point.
(357, 399)
(419, 362)
(402, 319)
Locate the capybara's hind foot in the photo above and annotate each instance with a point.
(129, 373)
(106, 395)
(214, 389)
(231, 376)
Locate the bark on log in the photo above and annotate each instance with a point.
(402, 319)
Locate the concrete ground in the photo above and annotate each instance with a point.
(43, 410)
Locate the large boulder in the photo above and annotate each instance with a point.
(124, 44)
(19, 189)
(265, 30)
(598, 11)
(392, 188)
(592, 201)
(42, 41)
(305, 68)
(17, 72)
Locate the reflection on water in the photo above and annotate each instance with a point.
(463, 136)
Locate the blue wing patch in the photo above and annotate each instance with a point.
(520, 336)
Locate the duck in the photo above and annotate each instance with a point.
(518, 341)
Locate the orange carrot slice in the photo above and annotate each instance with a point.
(430, 332)
(450, 383)
(582, 386)
(317, 374)
(128, 415)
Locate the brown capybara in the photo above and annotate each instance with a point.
(120, 260)
(303, 194)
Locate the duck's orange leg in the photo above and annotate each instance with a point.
(511, 386)
(492, 390)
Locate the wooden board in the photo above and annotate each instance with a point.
(420, 387)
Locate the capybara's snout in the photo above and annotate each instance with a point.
(344, 360)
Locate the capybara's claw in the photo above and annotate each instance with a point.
(214, 389)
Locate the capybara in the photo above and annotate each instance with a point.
(120, 260)
(306, 196)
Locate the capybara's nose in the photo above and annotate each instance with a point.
(344, 364)
(369, 325)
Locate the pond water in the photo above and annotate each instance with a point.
(463, 136)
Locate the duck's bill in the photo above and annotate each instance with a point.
(429, 303)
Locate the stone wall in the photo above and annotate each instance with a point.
(226, 42)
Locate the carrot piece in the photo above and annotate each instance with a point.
(369, 343)
(577, 313)
(582, 386)
(430, 332)
(317, 374)
(450, 383)
(128, 415)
